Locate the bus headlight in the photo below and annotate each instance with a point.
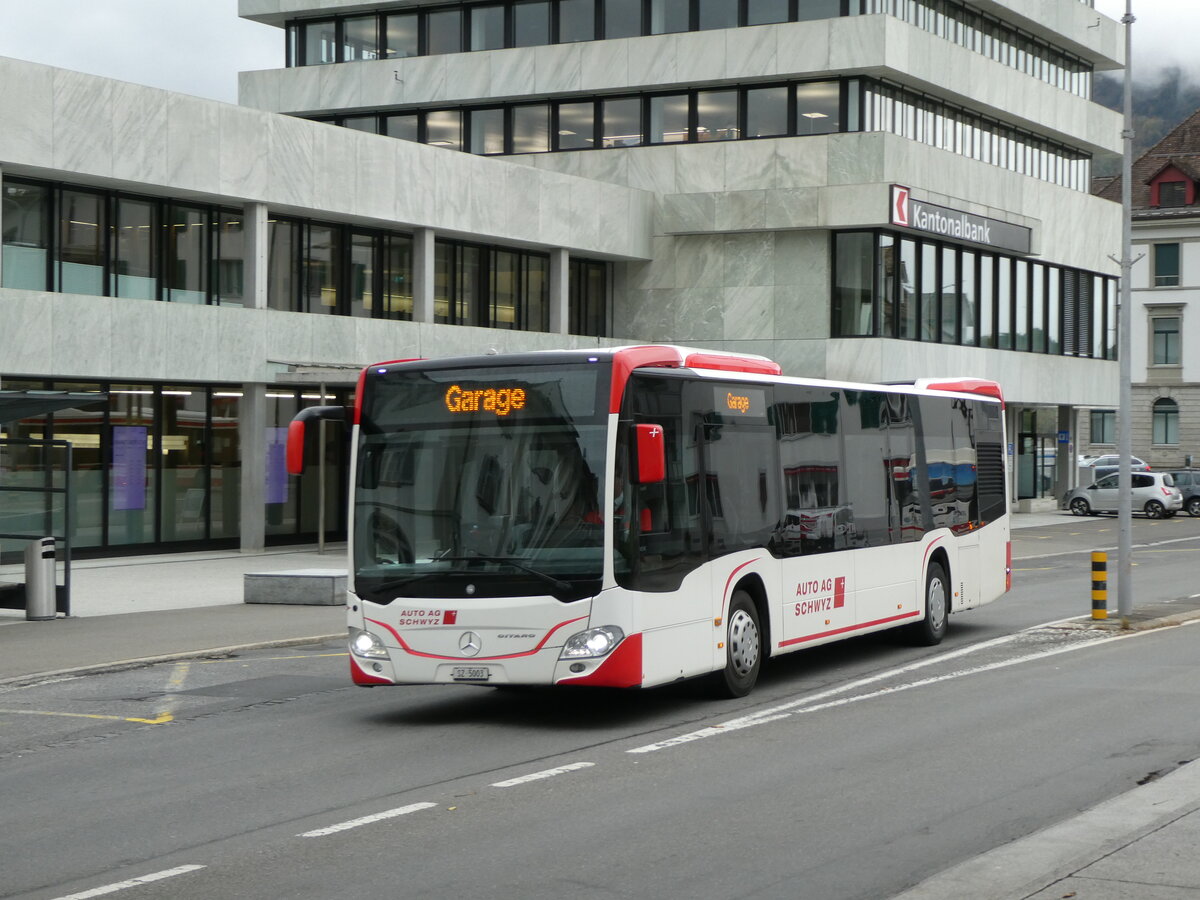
(592, 643)
(365, 644)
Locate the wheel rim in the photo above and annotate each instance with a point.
(1079, 506)
(743, 643)
(1193, 506)
(1154, 509)
(935, 604)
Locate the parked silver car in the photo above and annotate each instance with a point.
(1154, 493)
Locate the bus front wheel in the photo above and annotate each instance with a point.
(743, 648)
(932, 629)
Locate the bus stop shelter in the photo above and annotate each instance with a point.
(36, 499)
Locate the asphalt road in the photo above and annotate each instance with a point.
(853, 771)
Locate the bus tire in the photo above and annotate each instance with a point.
(930, 630)
(743, 648)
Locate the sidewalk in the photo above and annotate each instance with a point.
(131, 610)
(137, 610)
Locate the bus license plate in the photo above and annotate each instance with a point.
(470, 673)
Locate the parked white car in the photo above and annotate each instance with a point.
(1154, 493)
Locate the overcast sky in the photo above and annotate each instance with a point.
(199, 46)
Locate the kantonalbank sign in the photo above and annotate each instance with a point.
(908, 212)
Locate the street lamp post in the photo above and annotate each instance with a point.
(1124, 413)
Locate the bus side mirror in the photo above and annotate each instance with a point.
(298, 432)
(651, 449)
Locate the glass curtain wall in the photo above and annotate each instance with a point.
(929, 290)
(525, 23)
(106, 243)
(161, 465)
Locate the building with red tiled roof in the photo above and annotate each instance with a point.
(1165, 283)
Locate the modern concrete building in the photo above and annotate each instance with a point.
(1166, 277)
(867, 189)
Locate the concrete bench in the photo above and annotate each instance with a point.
(309, 587)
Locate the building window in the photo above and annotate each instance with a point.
(1166, 421)
(1104, 426)
(587, 296)
(356, 36)
(1172, 193)
(884, 285)
(1166, 265)
(1166, 340)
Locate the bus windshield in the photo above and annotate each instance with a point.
(483, 482)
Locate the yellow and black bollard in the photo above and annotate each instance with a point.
(1099, 584)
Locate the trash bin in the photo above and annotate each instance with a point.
(41, 600)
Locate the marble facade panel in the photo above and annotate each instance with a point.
(557, 68)
(189, 339)
(801, 162)
(335, 340)
(604, 65)
(340, 86)
(336, 165)
(73, 316)
(140, 344)
(650, 315)
(554, 212)
(749, 259)
(682, 213)
(651, 168)
(299, 89)
(803, 359)
(424, 78)
(260, 90)
(659, 272)
(523, 202)
(140, 133)
(741, 210)
(415, 169)
(27, 323)
(699, 260)
(699, 315)
(700, 167)
(749, 313)
(700, 56)
(803, 48)
(751, 53)
(468, 74)
(512, 73)
(244, 149)
(652, 60)
(244, 337)
(801, 259)
(454, 186)
(291, 175)
(750, 165)
(792, 208)
(800, 313)
(35, 139)
(193, 156)
(83, 123)
(375, 182)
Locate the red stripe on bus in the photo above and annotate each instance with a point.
(359, 676)
(729, 580)
(409, 650)
(848, 628)
(622, 669)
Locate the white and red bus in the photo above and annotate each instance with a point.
(634, 516)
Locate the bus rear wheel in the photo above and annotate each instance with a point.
(932, 629)
(743, 648)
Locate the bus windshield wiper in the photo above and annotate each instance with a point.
(517, 562)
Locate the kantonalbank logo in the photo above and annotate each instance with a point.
(738, 402)
(500, 401)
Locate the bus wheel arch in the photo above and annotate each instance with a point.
(747, 639)
(936, 602)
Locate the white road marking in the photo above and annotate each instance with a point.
(812, 702)
(367, 820)
(548, 773)
(132, 882)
